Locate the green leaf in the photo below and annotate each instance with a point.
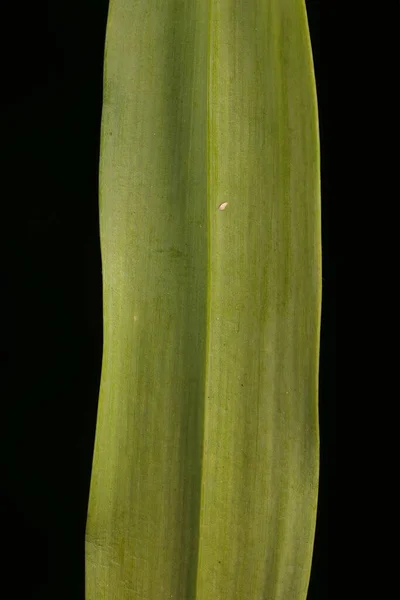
(205, 470)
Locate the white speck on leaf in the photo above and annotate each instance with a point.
(223, 206)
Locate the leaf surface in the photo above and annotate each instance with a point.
(205, 469)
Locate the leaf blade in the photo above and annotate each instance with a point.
(211, 318)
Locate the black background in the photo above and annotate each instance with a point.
(51, 335)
